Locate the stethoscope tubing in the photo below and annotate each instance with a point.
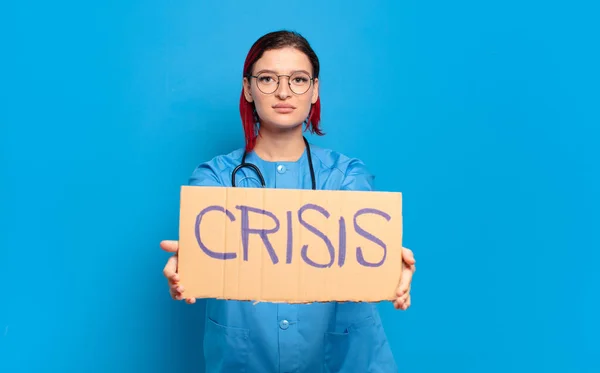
(260, 175)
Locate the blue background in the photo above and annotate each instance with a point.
(484, 114)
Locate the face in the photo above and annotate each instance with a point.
(287, 107)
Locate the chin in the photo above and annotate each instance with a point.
(283, 123)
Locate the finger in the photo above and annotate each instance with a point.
(398, 305)
(403, 298)
(169, 245)
(406, 304)
(405, 281)
(190, 300)
(170, 270)
(175, 294)
(176, 289)
(402, 304)
(407, 256)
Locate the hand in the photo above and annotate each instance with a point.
(170, 271)
(408, 269)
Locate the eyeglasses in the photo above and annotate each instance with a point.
(268, 82)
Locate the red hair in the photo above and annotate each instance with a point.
(276, 40)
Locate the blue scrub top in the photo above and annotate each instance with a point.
(241, 336)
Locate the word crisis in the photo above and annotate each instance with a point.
(259, 214)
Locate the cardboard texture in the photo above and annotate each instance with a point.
(285, 245)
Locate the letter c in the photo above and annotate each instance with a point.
(206, 250)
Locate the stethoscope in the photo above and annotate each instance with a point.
(260, 176)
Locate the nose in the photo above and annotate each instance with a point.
(283, 90)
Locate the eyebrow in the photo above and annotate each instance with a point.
(275, 72)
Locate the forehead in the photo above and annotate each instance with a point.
(283, 61)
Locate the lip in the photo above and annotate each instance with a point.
(284, 108)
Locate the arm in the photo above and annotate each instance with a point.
(204, 175)
(358, 177)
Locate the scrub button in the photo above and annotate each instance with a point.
(284, 324)
(281, 168)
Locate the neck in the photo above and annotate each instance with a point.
(282, 146)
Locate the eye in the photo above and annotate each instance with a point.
(267, 78)
(300, 79)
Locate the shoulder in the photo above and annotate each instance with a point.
(352, 172)
(215, 171)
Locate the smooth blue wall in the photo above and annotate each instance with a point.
(484, 114)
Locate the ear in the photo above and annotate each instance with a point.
(247, 89)
(315, 95)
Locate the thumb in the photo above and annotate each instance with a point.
(408, 256)
(169, 246)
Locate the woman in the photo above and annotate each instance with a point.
(280, 93)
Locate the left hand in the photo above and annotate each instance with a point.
(408, 269)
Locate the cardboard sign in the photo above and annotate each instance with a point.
(285, 245)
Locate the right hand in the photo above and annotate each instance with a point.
(170, 271)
